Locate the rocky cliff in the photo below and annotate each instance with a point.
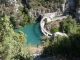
(36, 8)
(25, 11)
(39, 7)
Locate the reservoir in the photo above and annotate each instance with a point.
(33, 33)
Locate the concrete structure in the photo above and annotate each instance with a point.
(56, 16)
(60, 34)
(49, 17)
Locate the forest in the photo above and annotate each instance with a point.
(13, 45)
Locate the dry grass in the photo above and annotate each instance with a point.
(32, 49)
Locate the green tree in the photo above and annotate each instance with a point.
(68, 25)
(11, 43)
(63, 46)
(25, 20)
(54, 29)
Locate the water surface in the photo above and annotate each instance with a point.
(33, 33)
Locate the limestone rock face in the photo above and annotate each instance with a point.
(37, 11)
(34, 13)
(12, 1)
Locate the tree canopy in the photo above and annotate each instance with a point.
(11, 43)
(68, 47)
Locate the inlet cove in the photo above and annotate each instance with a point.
(33, 33)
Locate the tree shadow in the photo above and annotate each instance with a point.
(36, 30)
(39, 19)
(23, 2)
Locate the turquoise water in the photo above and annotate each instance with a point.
(33, 33)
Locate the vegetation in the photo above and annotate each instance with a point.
(77, 2)
(18, 18)
(54, 29)
(68, 47)
(21, 18)
(11, 43)
(68, 25)
(44, 3)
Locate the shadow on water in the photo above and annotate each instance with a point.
(36, 30)
(36, 27)
(39, 19)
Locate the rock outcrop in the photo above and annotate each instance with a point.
(40, 10)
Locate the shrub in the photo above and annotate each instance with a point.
(54, 29)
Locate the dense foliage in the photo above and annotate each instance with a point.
(68, 47)
(11, 43)
(68, 25)
(45, 3)
(19, 20)
(54, 29)
(18, 13)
